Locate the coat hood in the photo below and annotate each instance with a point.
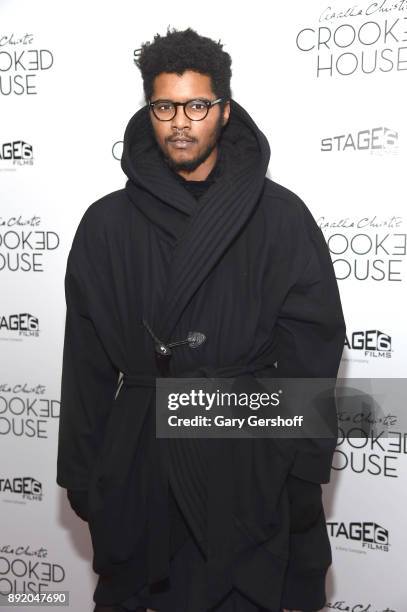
(244, 154)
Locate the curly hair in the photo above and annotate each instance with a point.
(184, 50)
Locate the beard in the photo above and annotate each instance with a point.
(190, 165)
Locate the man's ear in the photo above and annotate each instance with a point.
(226, 113)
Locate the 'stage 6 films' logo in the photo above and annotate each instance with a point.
(21, 487)
(16, 153)
(376, 140)
(370, 343)
(369, 535)
(21, 324)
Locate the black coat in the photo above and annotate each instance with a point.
(246, 265)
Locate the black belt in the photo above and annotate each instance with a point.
(230, 371)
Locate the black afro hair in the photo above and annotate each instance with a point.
(184, 50)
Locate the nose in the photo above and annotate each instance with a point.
(180, 120)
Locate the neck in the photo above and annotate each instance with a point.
(203, 170)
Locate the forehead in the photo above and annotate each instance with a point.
(191, 84)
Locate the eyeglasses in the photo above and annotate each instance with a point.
(196, 110)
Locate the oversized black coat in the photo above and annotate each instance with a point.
(246, 265)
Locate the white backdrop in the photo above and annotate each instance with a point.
(327, 85)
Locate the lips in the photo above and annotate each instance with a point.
(181, 143)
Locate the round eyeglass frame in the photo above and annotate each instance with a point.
(208, 104)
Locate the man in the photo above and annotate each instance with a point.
(198, 241)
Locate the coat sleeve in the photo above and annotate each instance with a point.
(311, 334)
(88, 382)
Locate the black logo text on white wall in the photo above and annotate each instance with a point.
(29, 569)
(21, 324)
(377, 140)
(26, 411)
(22, 63)
(370, 343)
(23, 247)
(369, 535)
(24, 488)
(369, 42)
(376, 456)
(367, 249)
(16, 154)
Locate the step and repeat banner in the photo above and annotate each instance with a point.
(326, 82)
